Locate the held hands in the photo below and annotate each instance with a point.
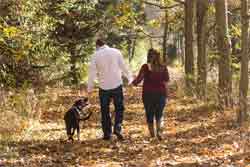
(131, 85)
(130, 81)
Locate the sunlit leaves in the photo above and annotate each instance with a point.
(154, 23)
(211, 10)
(12, 43)
(125, 15)
(77, 6)
(235, 31)
(10, 32)
(167, 2)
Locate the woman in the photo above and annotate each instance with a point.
(155, 76)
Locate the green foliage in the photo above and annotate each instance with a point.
(26, 50)
(30, 51)
(18, 107)
(154, 23)
(48, 42)
(14, 47)
(235, 31)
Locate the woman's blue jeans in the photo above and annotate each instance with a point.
(154, 104)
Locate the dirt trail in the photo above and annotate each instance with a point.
(194, 135)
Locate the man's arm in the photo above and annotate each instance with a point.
(125, 70)
(92, 74)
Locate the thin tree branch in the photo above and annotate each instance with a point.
(161, 6)
(149, 35)
(180, 1)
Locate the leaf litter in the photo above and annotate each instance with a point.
(192, 138)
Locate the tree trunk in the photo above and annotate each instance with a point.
(133, 48)
(189, 45)
(182, 50)
(223, 44)
(164, 44)
(129, 48)
(5, 8)
(202, 7)
(242, 115)
(73, 61)
(151, 43)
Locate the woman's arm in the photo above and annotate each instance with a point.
(166, 87)
(166, 77)
(140, 76)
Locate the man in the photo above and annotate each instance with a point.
(107, 65)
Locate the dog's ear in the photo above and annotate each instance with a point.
(78, 102)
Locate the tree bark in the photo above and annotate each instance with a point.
(129, 49)
(202, 8)
(189, 45)
(133, 48)
(242, 115)
(73, 61)
(165, 36)
(5, 8)
(223, 44)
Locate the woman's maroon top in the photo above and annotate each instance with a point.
(154, 82)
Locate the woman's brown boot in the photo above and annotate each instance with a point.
(151, 129)
(159, 130)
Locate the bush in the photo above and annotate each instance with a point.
(17, 109)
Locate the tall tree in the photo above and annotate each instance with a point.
(165, 36)
(202, 16)
(242, 115)
(189, 44)
(77, 22)
(223, 44)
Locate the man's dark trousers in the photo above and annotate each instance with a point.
(105, 98)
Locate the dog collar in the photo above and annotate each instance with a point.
(77, 109)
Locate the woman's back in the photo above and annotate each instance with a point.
(154, 81)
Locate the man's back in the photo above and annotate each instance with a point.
(108, 64)
(108, 67)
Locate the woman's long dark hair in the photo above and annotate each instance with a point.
(154, 59)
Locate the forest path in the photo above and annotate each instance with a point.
(194, 135)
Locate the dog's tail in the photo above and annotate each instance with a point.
(87, 117)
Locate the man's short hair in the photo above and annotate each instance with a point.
(100, 42)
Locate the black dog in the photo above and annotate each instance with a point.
(72, 118)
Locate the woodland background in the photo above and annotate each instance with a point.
(45, 48)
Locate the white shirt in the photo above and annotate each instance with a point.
(107, 65)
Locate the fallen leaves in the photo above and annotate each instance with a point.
(193, 137)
